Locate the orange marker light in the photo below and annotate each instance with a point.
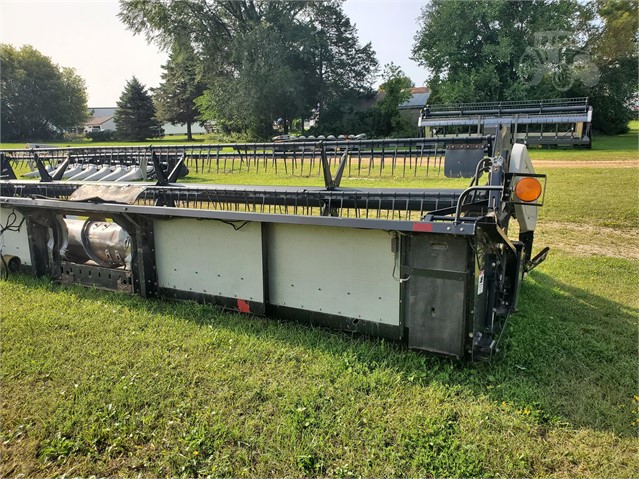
(528, 189)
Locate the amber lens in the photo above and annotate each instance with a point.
(528, 189)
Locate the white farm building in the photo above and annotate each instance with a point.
(102, 119)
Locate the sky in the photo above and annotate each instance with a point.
(87, 35)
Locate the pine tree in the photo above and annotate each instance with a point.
(135, 116)
(175, 98)
(181, 85)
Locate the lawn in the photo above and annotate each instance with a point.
(100, 383)
(604, 148)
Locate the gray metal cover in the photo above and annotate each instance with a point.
(435, 293)
(462, 162)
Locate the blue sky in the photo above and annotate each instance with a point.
(86, 35)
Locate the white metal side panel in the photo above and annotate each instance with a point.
(520, 162)
(15, 243)
(341, 271)
(210, 257)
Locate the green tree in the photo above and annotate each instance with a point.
(339, 72)
(617, 37)
(38, 98)
(262, 86)
(262, 59)
(383, 119)
(511, 50)
(135, 116)
(614, 51)
(474, 49)
(181, 84)
(396, 89)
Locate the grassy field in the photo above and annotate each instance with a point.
(106, 384)
(620, 147)
(604, 148)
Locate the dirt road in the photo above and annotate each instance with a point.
(585, 164)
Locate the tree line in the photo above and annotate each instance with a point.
(512, 50)
(260, 60)
(242, 64)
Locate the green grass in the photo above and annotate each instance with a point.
(592, 196)
(114, 385)
(604, 148)
(626, 142)
(106, 384)
(244, 177)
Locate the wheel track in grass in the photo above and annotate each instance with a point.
(589, 240)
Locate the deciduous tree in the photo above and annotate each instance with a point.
(262, 59)
(262, 86)
(474, 48)
(38, 98)
(397, 89)
(614, 51)
(512, 50)
(340, 70)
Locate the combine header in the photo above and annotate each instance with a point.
(434, 268)
(556, 122)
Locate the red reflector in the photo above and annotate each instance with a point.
(425, 227)
(243, 306)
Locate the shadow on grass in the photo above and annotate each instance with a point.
(573, 354)
(569, 356)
